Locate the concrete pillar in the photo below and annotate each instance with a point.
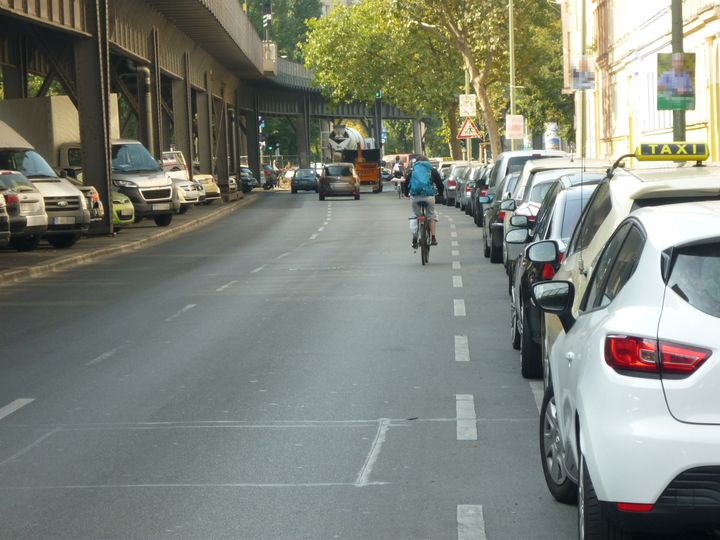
(417, 137)
(159, 141)
(221, 146)
(204, 126)
(15, 77)
(325, 128)
(182, 114)
(302, 132)
(92, 61)
(252, 128)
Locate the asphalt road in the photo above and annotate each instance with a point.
(288, 372)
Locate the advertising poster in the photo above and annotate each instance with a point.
(676, 82)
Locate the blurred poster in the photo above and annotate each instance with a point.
(583, 73)
(676, 81)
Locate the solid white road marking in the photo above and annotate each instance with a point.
(455, 243)
(456, 265)
(466, 418)
(538, 390)
(10, 408)
(175, 486)
(453, 234)
(455, 253)
(364, 474)
(314, 236)
(221, 289)
(457, 282)
(462, 349)
(183, 310)
(258, 269)
(471, 522)
(459, 307)
(30, 446)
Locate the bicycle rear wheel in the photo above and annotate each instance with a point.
(424, 237)
(426, 243)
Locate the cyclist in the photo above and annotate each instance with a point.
(398, 173)
(421, 176)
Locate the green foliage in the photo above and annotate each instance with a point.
(289, 24)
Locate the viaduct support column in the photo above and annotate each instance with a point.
(182, 114)
(204, 126)
(15, 77)
(252, 128)
(302, 132)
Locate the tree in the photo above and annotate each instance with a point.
(357, 50)
(289, 23)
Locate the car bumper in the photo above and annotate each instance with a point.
(303, 187)
(145, 208)
(68, 222)
(123, 214)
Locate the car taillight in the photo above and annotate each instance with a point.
(468, 190)
(531, 219)
(548, 271)
(634, 507)
(452, 183)
(12, 199)
(484, 192)
(627, 353)
(639, 354)
(501, 216)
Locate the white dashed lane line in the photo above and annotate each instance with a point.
(221, 289)
(457, 282)
(471, 522)
(456, 265)
(462, 349)
(465, 417)
(453, 234)
(183, 310)
(455, 243)
(314, 236)
(455, 253)
(258, 269)
(459, 307)
(453, 226)
(10, 408)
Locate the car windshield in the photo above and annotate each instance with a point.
(132, 158)
(339, 170)
(15, 182)
(574, 204)
(28, 162)
(538, 191)
(695, 277)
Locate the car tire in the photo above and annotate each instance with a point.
(495, 252)
(357, 196)
(486, 249)
(594, 523)
(514, 330)
(63, 241)
(561, 487)
(293, 190)
(321, 197)
(163, 220)
(530, 365)
(26, 243)
(183, 209)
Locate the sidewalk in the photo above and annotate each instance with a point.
(15, 266)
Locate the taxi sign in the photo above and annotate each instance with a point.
(676, 151)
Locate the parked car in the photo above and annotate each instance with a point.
(559, 213)
(212, 190)
(174, 164)
(269, 176)
(493, 216)
(630, 420)
(535, 180)
(480, 190)
(65, 205)
(4, 223)
(304, 179)
(185, 195)
(386, 174)
(26, 210)
(451, 179)
(123, 211)
(464, 186)
(248, 181)
(339, 179)
(615, 197)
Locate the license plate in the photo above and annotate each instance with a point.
(125, 213)
(162, 206)
(36, 220)
(65, 220)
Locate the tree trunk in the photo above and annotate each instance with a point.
(455, 150)
(490, 122)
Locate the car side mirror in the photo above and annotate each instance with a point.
(556, 297)
(543, 252)
(508, 205)
(520, 221)
(518, 236)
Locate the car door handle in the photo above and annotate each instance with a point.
(570, 357)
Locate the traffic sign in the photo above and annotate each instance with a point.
(514, 126)
(468, 105)
(469, 130)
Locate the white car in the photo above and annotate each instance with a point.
(631, 415)
(613, 200)
(185, 195)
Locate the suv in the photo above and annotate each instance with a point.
(621, 192)
(26, 209)
(66, 206)
(339, 179)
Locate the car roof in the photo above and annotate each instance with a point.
(540, 152)
(666, 182)
(341, 163)
(680, 223)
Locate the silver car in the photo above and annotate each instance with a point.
(26, 210)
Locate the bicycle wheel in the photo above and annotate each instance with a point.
(426, 244)
(423, 239)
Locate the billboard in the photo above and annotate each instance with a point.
(676, 81)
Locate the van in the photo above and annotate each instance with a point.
(65, 205)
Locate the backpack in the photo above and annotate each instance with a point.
(420, 182)
(398, 170)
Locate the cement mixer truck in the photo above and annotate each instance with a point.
(347, 145)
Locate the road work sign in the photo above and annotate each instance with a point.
(469, 130)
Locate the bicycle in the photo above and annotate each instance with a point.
(399, 188)
(424, 233)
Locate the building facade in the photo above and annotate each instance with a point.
(623, 40)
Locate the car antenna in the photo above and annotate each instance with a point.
(618, 163)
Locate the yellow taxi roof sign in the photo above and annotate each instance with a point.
(675, 151)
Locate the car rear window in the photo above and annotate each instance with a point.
(538, 192)
(305, 173)
(339, 170)
(15, 181)
(695, 276)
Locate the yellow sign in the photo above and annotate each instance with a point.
(677, 151)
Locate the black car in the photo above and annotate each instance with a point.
(559, 213)
(247, 180)
(493, 217)
(480, 190)
(304, 179)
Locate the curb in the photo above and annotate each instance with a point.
(70, 261)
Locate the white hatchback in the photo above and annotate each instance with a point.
(630, 422)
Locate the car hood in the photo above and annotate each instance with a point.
(56, 187)
(144, 180)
